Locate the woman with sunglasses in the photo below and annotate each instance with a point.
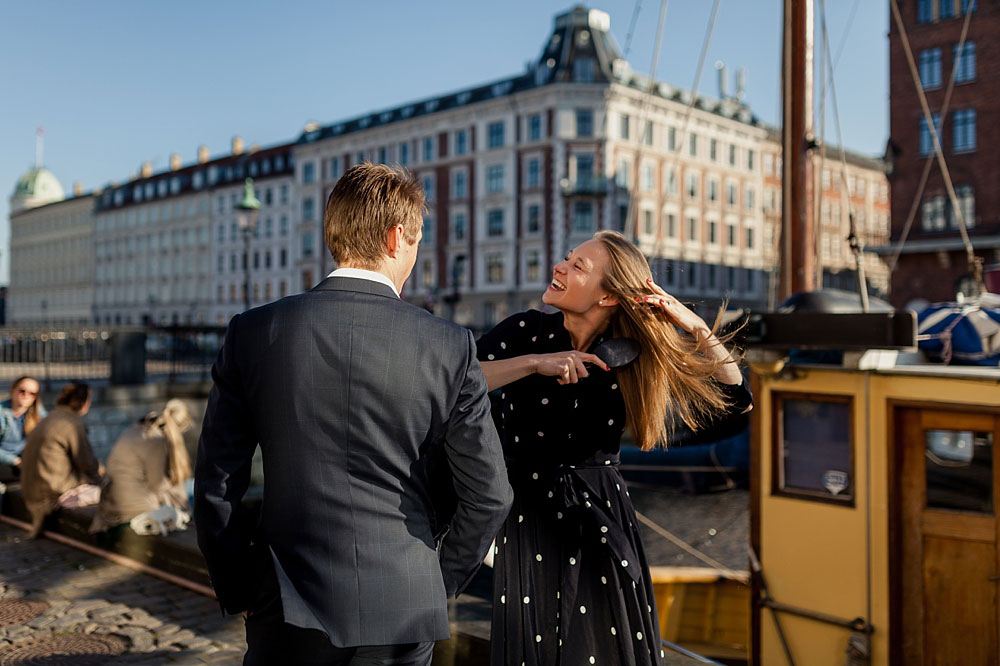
(19, 414)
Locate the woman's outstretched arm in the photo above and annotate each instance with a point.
(567, 367)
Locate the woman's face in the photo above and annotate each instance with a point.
(24, 394)
(576, 280)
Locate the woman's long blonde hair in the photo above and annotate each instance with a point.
(31, 417)
(171, 423)
(671, 379)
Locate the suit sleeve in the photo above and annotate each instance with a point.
(480, 477)
(221, 478)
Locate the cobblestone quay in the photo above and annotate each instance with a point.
(56, 601)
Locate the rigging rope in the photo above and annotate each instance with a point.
(915, 206)
(975, 265)
(853, 239)
(737, 576)
(631, 28)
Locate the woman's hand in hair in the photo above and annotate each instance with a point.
(678, 313)
(567, 366)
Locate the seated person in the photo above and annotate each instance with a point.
(19, 414)
(58, 467)
(147, 469)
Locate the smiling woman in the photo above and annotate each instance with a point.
(571, 582)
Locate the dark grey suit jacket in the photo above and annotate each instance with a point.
(349, 392)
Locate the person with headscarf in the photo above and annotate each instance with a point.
(147, 469)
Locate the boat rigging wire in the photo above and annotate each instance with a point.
(671, 167)
(691, 550)
(631, 28)
(854, 241)
(929, 162)
(975, 264)
(643, 108)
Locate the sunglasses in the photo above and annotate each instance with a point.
(26, 392)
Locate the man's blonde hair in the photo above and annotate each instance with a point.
(366, 203)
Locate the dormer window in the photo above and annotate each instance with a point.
(583, 70)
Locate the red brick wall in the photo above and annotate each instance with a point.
(926, 275)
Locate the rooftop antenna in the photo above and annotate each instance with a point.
(720, 67)
(39, 145)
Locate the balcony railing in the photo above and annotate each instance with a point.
(587, 186)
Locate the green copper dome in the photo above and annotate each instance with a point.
(36, 188)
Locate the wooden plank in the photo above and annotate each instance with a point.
(957, 525)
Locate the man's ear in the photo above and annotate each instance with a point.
(394, 240)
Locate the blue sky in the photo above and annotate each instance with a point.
(119, 83)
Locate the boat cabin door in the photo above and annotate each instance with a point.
(945, 576)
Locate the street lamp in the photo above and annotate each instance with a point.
(247, 219)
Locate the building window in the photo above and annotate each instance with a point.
(494, 268)
(461, 142)
(404, 153)
(308, 172)
(713, 228)
(383, 155)
(713, 276)
(284, 194)
(533, 266)
(671, 138)
(494, 178)
(458, 226)
(671, 225)
(965, 6)
(535, 128)
(693, 229)
(495, 135)
(713, 149)
(647, 133)
(749, 198)
(750, 160)
(932, 214)
(964, 129)
(692, 185)
(749, 238)
(583, 70)
(693, 145)
(815, 453)
(731, 194)
(283, 258)
(268, 228)
(584, 122)
(671, 181)
(428, 188)
(732, 155)
(731, 235)
(534, 173)
(713, 190)
(428, 149)
(926, 142)
(648, 177)
(308, 208)
(494, 222)
(583, 216)
(946, 9)
(334, 168)
(623, 126)
(930, 68)
(534, 218)
(460, 185)
(924, 11)
(283, 225)
(427, 273)
(647, 222)
(966, 62)
(967, 202)
(308, 245)
(427, 231)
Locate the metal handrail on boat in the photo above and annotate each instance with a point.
(687, 653)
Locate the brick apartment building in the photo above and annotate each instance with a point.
(933, 264)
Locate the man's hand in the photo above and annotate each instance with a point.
(567, 366)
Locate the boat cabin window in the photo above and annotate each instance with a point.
(959, 470)
(813, 453)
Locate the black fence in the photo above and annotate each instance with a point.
(122, 355)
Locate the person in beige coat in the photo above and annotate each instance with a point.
(147, 468)
(57, 461)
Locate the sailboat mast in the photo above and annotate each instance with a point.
(797, 224)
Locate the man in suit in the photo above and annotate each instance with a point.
(349, 392)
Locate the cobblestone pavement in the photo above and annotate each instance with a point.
(58, 601)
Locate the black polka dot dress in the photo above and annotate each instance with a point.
(571, 583)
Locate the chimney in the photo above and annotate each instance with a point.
(147, 170)
(720, 68)
(77, 189)
(175, 161)
(202, 154)
(237, 145)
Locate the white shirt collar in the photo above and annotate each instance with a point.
(363, 274)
